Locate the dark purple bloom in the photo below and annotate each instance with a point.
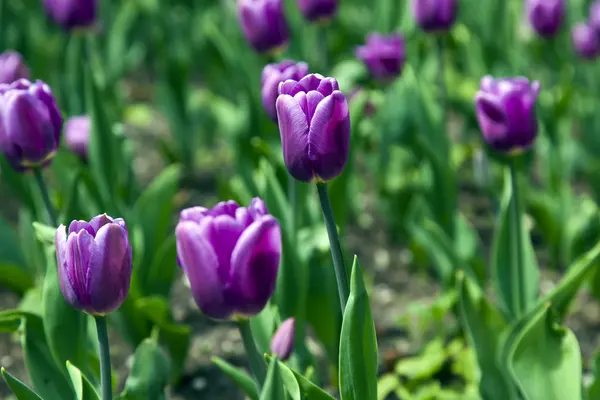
(282, 343)
(594, 16)
(12, 67)
(272, 76)
(94, 264)
(506, 112)
(230, 255)
(30, 124)
(384, 56)
(546, 16)
(72, 14)
(314, 124)
(77, 135)
(585, 40)
(314, 10)
(264, 24)
(435, 15)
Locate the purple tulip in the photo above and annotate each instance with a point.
(314, 124)
(77, 135)
(585, 41)
(273, 75)
(94, 264)
(316, 10)
(282, 343)
(546, 16)
(230, 255)
(12, 67)
(264, 24)
(72, 14)
(506, 112)
(435, 15)
(594, 16)
(384, 56)
(30, 124)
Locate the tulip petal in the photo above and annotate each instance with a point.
(224, 235)
(195, 214)
(63, 268)
(76, 226)
(492, 121)
(293, 128)
(79, 248)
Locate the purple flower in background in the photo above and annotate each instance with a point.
(94, 264)
(230, 255)
(384, 56)
(264, 24)
(545, 16)
(77, 135)
(585, 40)
(435, 15)
(282, 343)
(12, 67)
(594, 16)
(30, 124)
(314, 124)
(272, 76)
(506, 112)
(314, 10)
(72, 14)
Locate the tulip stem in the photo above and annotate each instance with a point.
(105, 375)
(256, 360)
(39, 179)
(517, 267)
(334, 242)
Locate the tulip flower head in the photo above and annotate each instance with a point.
(314, 124)
(585, 41)
(77, 135)
(94, 264)
(594, 16)
(272, 76)
(435, 15)
(230, 255)
(318, 10)
(72, 14)
(384, 56)
(506, 112)
(282, 343)
(30, 124)
(12, 67)
(545, 16)
(263, 23)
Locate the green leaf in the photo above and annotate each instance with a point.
(289, 381)
(309, 390)
(15, 278)
(18, 184)
(21, 390)
(386, 385)
(425, 365)
(149, 373)
(84, 390)
(546, 360)
(238, 376)
(44, 233)
(273, 387)
(358, 344)
(594, 389)
(163, 267)
(10, 320)
(263, 326)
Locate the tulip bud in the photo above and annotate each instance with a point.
(545, 16)
(30, 124)
(314, 124)
(94, 264)
(264, 24)
(72, 14)
(435, 15)
(230, 255)
(384, 56)
(12, 67)
(272, 76)
(282, 343)
(315, 10)
(506, 112)
(585, 41)
(77, 135)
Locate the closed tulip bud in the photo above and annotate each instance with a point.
(272, 76)
(30, 124)
(585, 40)
(435, 15)
(77, 135)
(72, 14)
(506, 112)
(546, 16)
(12, 67)
(317, 10)
(314, 124)
(94, 264)
(384, 56)
(230, 255)
(282, 343)
(263, 23)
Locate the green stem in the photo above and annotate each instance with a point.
(517, 267)
(441, 80)
(334, 242)
(105, 375)
(256, 360)
(39, 179)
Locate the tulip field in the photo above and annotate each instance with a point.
(300, 200)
